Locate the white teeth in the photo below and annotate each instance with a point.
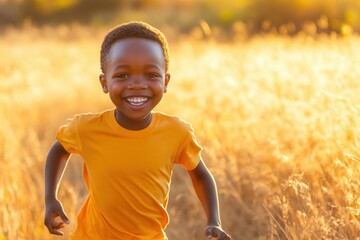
(137, 100)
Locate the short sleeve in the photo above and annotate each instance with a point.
(68, 136)
(190, 151)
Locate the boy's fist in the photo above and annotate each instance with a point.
(54, 211)
(216, 232)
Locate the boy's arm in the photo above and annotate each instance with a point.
(55, 165)
(205, 188)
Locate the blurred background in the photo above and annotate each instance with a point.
(271, 88)
(225, 17)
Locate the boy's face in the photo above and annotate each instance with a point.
(135, 79)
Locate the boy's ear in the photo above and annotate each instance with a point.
(167, 79)
(103, 83)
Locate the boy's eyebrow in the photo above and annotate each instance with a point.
(152, 66)
(146, 66)
(121, 66)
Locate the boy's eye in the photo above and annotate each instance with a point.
(122, 76)
(152, 75)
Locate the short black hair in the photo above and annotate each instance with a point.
(134, 29)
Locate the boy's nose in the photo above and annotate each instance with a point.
(137, 82)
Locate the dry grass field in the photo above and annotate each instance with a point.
(278, 118)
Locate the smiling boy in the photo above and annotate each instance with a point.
(129, 151)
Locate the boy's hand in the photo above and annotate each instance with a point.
(216, 232)
(54, 211)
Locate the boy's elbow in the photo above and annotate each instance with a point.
(201, 173)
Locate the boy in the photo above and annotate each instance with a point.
(129, 151)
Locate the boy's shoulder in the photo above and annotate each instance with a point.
(173, 121)
(91, 117)
(162, 117)
(163, 120)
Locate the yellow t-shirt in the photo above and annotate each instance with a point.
(127, 173)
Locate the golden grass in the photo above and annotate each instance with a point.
(277, 116)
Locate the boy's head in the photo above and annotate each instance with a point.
(133, 30)
(134, 62)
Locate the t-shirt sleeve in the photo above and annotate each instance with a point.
(68, 136)
(190, 151)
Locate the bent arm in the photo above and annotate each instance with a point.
(55, 165)
(205, 188)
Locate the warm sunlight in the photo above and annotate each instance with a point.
(273, 98)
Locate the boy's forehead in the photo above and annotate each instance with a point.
(128, 45)
(136, 49)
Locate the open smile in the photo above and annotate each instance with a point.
(137, 101)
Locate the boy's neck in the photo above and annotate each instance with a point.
(131, 124)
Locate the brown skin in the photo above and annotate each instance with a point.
(136, 69)
(205, 188)
(56, 162)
